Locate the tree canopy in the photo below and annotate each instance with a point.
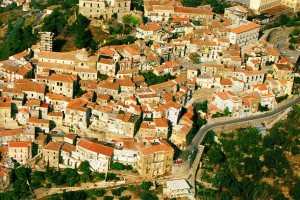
(152, 79)
(55, 22)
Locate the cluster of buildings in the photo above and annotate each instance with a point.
(55, 103)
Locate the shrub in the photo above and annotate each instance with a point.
(146, 185)
(118, 191)
(98, 193)
(293, 40)
(295, 150)
(291, 47)
(99, 176)
(108, 198)
(111, 177)
(128, 197)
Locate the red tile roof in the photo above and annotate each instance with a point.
(95, 147)
(19, 144)
(53, 146)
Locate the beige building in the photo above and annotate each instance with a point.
(42, 124)
(155, 158)
(77, 114)
(20, 151)
(283, 71)
(62, 84)
(51, 154)
(103, 8)
(5, 177)
(5, 112)
(235, 13)
(56, 117)
(162, 11)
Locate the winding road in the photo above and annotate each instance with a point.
(204, 129)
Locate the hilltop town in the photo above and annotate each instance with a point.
(137, 104)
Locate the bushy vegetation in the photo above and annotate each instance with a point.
(120, 166)
(281, 98)
(225, 113)
(118, 191)
(284, 20)
(152, 79)
(238, 165)
(127, 40)
(65, 4)
(12, 6)
(262, 108)
(17, 39)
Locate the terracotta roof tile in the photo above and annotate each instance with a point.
(63, 78)
(19, 144)
(53, 146)
(95, 147)
(244, 28)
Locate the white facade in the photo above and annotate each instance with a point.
(177, 189)
(243, 33)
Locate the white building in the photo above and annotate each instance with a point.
(98, 155)
(125, 151)
(228, 100)
(244, 32)
(172, 111)
(177, 189)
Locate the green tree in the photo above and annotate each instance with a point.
(83, 39)
(284, 19)
(98, 193)
(148, 196)
(108, 198)
(146, 185)
(72, 177)
(118, 191)
(68, 4)
(20, 182)
(201, 121)
(80, 23)
(203, 106)
(294, 191)
(215, 156)
(99, 176)
(55, 22)
(262, 108)
(130, 20)
(85, 167)
(74, 195)
(293, 40)
(252, 165)
(191, 3)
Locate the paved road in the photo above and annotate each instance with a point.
(202, 132)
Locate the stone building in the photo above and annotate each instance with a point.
(103, 8)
